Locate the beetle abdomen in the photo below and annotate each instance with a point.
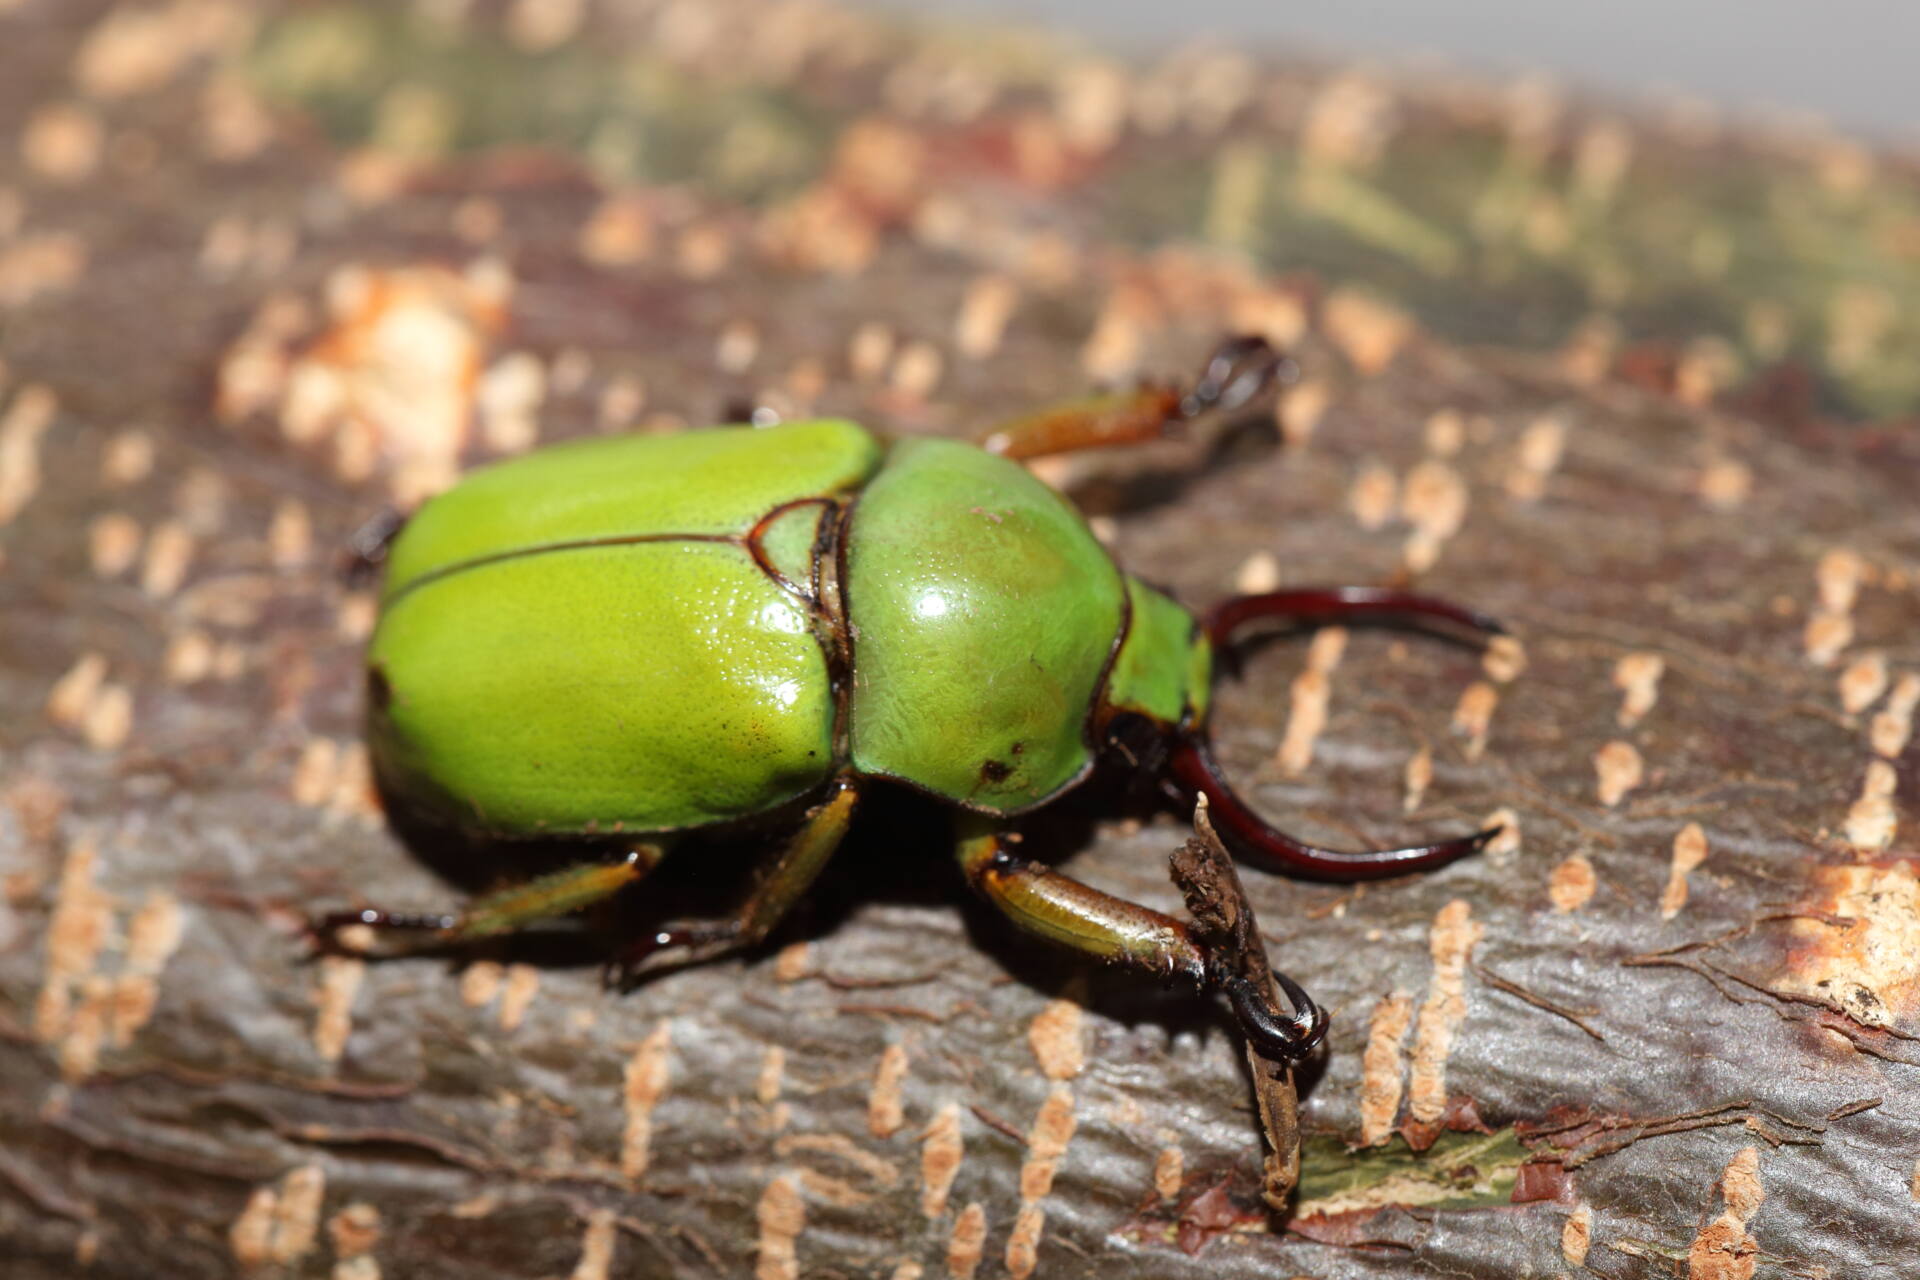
(983, 615)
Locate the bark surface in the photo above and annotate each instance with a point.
(1640, 387)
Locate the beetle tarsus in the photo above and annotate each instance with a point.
(1239, 369)
(325, 932)
(1289, 1037)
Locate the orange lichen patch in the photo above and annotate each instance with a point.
(1445, 433)
(80, 927)
(355, 1230)
(340, 978)
(135, 50)
(1838, 578)
(73, 694)
(539, 25)
(393, 379)
(984, 312)
(620, 232)
(62, 142)
(1473, 716)
(1862, 683)
(1504, 659)
(1826, 635)
(1571, 885)
(169, 552)
(1689, 851)
(1724, 484)
(113, 543)
(1257, 574)
(1375, 496)
(1541, 446)
(21, 427)
(1298, 413)
(773, 1068)
(1434, 499)
(967, 1242)
(1368, 330)
(280, 1225)
(1507, 842)
(1113, 348)
(1865, 967)
(37, 805)
(820, 229)
(290, 535)
(110, 719)
(645, 1085)
(1892, 729)
(940, 1154)
(1723, 1250)
(480, 983)
(1872, 822)
(917, 370)
(509, 396)
(1418, 776)
(251, 1235)
(1381, 1067)
(1277, 315)
(127, 459)
(1589, 351)
(782, 1215)
(86, 1034)
(1451, 943)
(1310, 692)
(1618, 769)
(1023, 1242)
(1055, 1036)
(885, 1111)
(316, 772)
(1169, 1172)
(40, 264)
(1637, 676)
(793, 962)
(597, 1246)
(153, 936)
(523, 984)
(1576, 1237)
(1046, 1142)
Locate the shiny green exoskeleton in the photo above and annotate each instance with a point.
(630, 638)
(648, 634)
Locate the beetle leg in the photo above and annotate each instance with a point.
(783, 883)
(1198, 773)
(1195, 769)
(503, 911)
(1238, 369)
(1323, 606)
(1061, 909)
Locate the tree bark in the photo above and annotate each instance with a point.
(1634, 387)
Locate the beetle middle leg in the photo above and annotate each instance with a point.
(1239, 369)
(784, 882)
(507, 910)
(1061, 909)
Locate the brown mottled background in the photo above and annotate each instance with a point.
(1640, 383)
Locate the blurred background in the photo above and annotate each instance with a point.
(1851, 60)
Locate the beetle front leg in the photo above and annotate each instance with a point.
(1057, 907)
(784, 882)
(504, 911)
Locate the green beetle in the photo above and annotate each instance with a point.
(624, 639)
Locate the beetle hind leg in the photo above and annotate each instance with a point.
(784, 881)
(1061, 909)
(504, 911)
